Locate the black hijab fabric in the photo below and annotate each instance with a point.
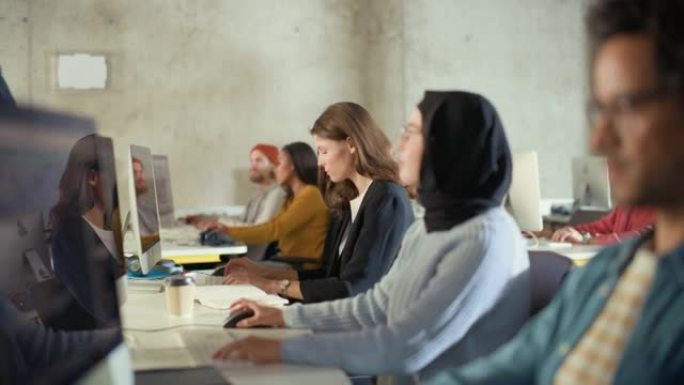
(6, 98)
(466, 165)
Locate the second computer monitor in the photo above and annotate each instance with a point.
(144, 215)
(162, 182)
(524, 197)
(591, 182)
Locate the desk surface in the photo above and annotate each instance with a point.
(580, 254)
(170, 250)
(145, 311)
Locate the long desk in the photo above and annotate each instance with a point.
(579, 254)
(181, 244)
(145, 312)
(199, 254)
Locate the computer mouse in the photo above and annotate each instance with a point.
(215, 238)
(236, 316)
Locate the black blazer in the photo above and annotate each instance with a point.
(84, 266)
(372, 244)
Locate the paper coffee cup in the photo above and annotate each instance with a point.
(180, 295)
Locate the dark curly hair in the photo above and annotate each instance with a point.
(663, 20)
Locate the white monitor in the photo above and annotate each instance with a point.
(144, 214)
(524, 196)
(591, 182)
(162, 183)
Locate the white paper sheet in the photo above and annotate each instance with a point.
(221, 297)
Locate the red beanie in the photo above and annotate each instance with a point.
(269, 150)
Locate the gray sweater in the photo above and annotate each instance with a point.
(451, 296)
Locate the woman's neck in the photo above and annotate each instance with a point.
(95, 216)
(360, 182)
(297, 186)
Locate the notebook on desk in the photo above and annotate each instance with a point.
(222, 297)
(177, 348)
(192, 347)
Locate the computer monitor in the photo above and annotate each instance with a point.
(591, 182)
(162, 183)
(144, 214)
(59, 257)
(524, 196)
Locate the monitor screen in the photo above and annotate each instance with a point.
(143, 207)
(162, 182)
(524, 197)
(61, 254)
(591, 182)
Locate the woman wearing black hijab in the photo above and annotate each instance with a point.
(6, 99)
(459, 287)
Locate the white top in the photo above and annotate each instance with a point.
(354, 205)
(106, 236)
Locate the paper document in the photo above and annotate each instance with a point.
(282, 375)
(176, 348)
(221, 297)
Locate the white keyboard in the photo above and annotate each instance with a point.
(546, 244)
(202, 279)
(181, 235)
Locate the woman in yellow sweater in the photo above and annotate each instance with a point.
(302, 224)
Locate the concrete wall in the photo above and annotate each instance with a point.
(202, 80)
(526, 56)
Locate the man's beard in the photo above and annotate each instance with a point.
(139, 190)
(257, 178)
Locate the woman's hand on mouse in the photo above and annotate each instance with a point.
(255, 349)
(211, 224)
(263, 315)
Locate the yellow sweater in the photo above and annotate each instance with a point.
(300, 227)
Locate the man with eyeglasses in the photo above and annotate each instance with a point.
(620, 320)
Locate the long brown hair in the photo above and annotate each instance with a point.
(349, 120)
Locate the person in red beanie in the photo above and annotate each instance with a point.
(266, 201)
(269, 198)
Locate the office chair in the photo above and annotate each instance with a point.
(272, 254)
(547, 271)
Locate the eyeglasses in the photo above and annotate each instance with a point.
(408, 130)
(621, 110)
